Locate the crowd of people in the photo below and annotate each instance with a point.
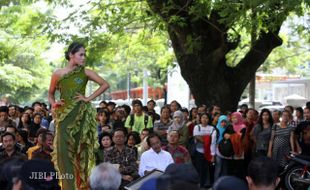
(204, 144)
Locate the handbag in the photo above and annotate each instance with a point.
(226, 148)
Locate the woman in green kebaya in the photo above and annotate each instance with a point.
(76, 132)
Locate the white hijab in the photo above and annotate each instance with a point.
(174, 125)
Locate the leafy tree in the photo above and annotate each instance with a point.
(111, 48)
(209, 30)
(24, 74)
(293, 57)
(139, 51)
(203, 35)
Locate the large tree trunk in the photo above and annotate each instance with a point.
(252, 85)
(202, 58)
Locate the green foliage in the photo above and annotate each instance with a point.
(121, 37)
(263, 15)
(235, 56)
(291, 57)
(23, 73)
(120, 33)
(125, 36)
(132, 53)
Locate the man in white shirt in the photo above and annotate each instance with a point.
(155, 157)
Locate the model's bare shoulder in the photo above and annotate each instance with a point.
(58, 73)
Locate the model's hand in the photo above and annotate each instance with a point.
(80, 97)
(58, 104)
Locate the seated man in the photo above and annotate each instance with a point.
(155, 157)
(44, 152)
(12, 129)
(9, 142)
(263, 174)
(123, 157)
(178, 152)
(4, 119)
(38, 144)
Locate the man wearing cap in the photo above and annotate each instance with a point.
(138, 121)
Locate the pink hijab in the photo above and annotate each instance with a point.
(239, 124)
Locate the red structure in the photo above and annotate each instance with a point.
(153, 93)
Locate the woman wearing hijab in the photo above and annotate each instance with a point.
(235, 134)
(220, 160)
(180, 126)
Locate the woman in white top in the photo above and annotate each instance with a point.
(200, 162)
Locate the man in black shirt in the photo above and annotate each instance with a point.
(8, 140)
(302, 134)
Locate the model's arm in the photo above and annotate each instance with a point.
(93, 76)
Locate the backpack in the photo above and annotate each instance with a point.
(132, 120)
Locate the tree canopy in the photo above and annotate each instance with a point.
(23, 71)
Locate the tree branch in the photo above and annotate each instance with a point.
(256, 56)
